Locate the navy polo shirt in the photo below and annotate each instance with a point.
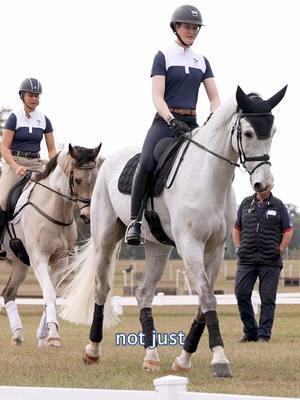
(265, 207)
(184, 70)
(28, 131)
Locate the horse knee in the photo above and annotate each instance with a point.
(9, 293)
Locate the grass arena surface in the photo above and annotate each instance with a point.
(266, 369)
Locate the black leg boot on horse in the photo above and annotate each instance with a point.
(3, 221)
(139, 192)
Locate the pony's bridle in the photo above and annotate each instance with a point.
(74, 196)
(242, 156)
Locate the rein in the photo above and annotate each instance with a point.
(242, 156)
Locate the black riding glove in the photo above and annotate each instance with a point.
(178, 127)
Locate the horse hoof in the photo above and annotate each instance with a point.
(88, 359)
(42, 342)
(151, 365)
(221, 370)
(53, 342)
(17, 341)
(176, 367)
(17, 338)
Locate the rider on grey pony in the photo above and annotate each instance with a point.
(20, 146)
(177, 73)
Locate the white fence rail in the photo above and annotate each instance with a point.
(222, 299)
(166, 388)
(161, 299)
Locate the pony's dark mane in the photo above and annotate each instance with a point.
(84, 155)
(50, 166)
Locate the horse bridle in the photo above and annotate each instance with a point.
(242, 156)
(74, 198)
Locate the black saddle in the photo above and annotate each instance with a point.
(14, 195)
(165, 154)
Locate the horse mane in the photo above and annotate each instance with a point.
(50, 167)
(83, 155)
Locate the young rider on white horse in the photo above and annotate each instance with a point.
(176, 77)
(20, 145)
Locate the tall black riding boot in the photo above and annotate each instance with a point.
(139, 190)
(3, 221)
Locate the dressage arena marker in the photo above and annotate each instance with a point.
(169, 387)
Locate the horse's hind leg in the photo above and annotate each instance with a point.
(156, 257)
(9, 293)
(104, 257)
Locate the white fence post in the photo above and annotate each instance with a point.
(117, 305)
(255, 299)
(169, 386)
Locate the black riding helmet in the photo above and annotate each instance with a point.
(186, 14)
(30, 85)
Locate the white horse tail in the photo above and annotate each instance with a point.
(79, 293)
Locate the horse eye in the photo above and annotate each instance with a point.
(248, 134)
(78, 181)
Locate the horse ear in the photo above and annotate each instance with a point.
(274, 100)
(72, 151)
(243, 100)
(96, 150)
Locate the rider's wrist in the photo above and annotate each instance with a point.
(169, 118)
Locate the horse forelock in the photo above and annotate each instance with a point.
(84, 156)
(50, 167)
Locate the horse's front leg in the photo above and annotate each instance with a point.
(207, 312)
(9, 293)
(156, 257)
(49, 320)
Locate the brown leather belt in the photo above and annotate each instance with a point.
(26, 154)
(183, 111)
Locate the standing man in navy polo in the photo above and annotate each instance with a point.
(261, 234)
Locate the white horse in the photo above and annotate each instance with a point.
(47, 228)
(197, 213)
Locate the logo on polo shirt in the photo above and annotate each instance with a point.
(195, 60)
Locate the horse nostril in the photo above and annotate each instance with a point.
(85, 219)
(258, 187)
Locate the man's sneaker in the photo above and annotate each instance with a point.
(246, 339)
(133, 233)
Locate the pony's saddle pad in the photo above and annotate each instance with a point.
(14, 194)
(164, 154)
